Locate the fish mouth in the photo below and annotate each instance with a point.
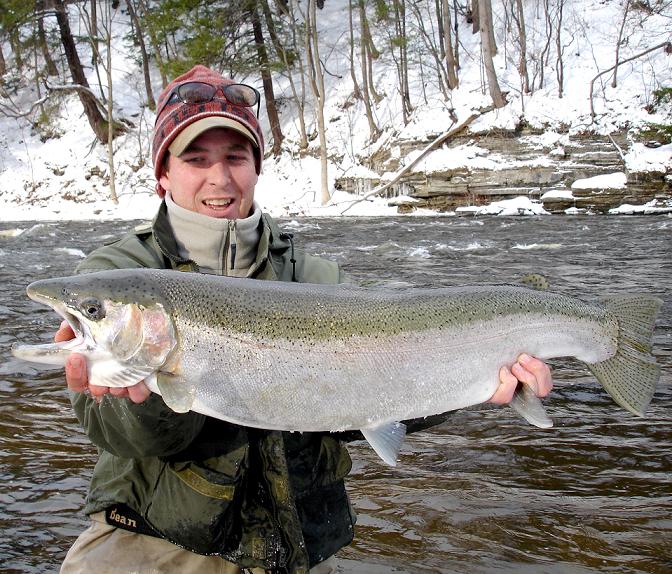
(55, 353)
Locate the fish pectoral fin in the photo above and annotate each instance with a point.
(386, 440)
(110, 373)
(177, 394)
(528, 405)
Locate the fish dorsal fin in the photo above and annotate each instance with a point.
(386, 440)
(535, 281)
(176, 393)
(528, 406)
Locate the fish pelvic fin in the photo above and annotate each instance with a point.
(631, 375)
(528, 405)
(386, 440)
(176, 393)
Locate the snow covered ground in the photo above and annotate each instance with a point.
(66, 177)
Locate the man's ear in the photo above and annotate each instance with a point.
(164, 178)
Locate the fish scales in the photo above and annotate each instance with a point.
(396, 354)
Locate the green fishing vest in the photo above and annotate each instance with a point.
(268, 499)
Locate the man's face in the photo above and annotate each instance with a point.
(214, 176)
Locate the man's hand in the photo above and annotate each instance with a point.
(78, 380)
(527, 370)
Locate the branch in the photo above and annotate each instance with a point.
(5, 111)
(668, 49)
(431, 146)
(78, 88)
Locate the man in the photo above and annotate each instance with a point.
(185, 492)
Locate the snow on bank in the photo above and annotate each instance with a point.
(606, 181)
(66, 177)
(653, 207)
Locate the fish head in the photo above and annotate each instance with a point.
(119, 322)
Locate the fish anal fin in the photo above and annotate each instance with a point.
(386, 440)
(176, 393)
(528, 405)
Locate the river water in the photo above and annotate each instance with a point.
(483, 493)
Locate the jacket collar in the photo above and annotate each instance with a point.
(272, 242)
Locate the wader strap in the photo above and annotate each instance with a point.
(124, 517)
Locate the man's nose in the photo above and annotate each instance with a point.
(219, 173)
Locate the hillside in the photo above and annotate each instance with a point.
(58, 171)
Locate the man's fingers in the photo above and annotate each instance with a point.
(75, 373)
(540, 371)
(138, 393)
(507, 386)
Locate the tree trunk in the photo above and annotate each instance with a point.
(451, 67)
(364, 63)
(401, 37)
(614, 81)
(143, 52)
(156, 49)
(52, 70)
(475, 17)
(498, 99)
(110, 124)
(355, 84)
(317, 85)
(519, 18)
(288, 11)
(96, 120)
(3, 63)
(559, 65)
(266, 79)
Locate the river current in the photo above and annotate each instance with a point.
(483, 493)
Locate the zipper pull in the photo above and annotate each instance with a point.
(232, 244)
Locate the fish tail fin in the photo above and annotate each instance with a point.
(631, 375)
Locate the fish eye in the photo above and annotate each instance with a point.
(92, 308)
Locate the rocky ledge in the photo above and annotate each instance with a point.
(555, 171)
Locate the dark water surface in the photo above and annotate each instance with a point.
(483, 493)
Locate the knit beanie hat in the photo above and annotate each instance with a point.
(178, 124)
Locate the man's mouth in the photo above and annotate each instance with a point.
(218, 202)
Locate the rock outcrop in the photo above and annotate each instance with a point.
(520, 165)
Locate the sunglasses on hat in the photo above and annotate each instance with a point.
(201, 93)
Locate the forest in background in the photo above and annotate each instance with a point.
(425, 49)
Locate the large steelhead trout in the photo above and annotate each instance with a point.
(305, 357)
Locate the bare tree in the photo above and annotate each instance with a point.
(316, 75)
(401, 41)
(488, 51)
(51, 68)
(432, 48)
(96, 121)
(559, 65)
(297, 61)
(140, 40)
(446, 29)
(518, 16)
(153, 40)
(626, 8)
(353, 75)
(107, 19)
(266, 78)
(366, 63)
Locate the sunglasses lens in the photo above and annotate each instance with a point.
(196, 92)
(241, 95)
